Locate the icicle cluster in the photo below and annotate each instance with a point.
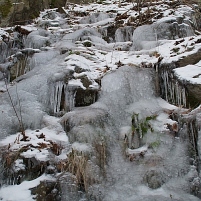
(172, 91)
(61, 98)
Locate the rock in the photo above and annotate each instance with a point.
(189, 59)
(195, 187)
(85, 123)
(78, 69)
(19, 168)
(194, 94)
(37, 39)
(68, 187)
(110, 33)
(124, 34)
(85, 97)
(46, 191)
(21, 30)
(34, 167)
(154, 179)
(24, 11)
(148, 36)
(169, 79)
(95, 17)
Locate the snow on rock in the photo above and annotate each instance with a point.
(141, 150)
(12, 192)
(40, 142)
(96, 17)
(189, 73)
(37, 39)
(81, 147)
(169, 27)
(19, 165)
(50, 18)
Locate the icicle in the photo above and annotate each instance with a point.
(165, 79)
(184, 96)
(70, 99)
(62, 97)
(173, 92)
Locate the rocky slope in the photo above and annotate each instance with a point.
(81, 113)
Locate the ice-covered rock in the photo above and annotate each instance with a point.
(37, 39)
(96, 17)
(85, 124)
(124, 34)
(154, 179)
(150, 36)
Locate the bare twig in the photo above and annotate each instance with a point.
(15, 111)
(20, 107)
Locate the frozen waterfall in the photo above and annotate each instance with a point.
(129, 174)
(96, 128)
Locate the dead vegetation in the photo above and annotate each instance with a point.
(83, 168)
(80, 167)
(78, 164)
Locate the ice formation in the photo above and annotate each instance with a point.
(62, 62)
(173, 91)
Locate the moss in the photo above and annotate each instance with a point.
(155, 144)
(87, 44)
(77, 52)
(5, 8)
(176, 49)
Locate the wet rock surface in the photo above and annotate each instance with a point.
(23, 12)
(154, 179)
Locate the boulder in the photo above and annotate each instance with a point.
(24, 11)
(150, 36)
(96, 17)
(154, 179)
(85, 97)
(124, 34)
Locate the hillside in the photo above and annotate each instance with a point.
(101, 101)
